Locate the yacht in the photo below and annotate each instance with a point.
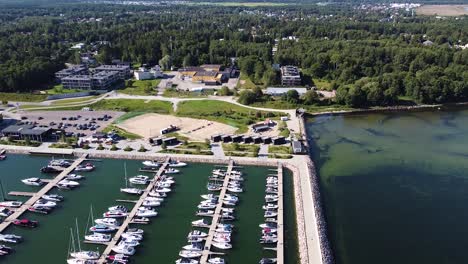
(154, 199)
(144, 212)
(210, 196)
(190, 254)
(227, 217)
(33, 181)
(194, 239)
(102, 229)
(13, 204)
(81, 261)
(50, 169)
(222, 239)
(132, 236)
(134, 191)
(229, 197)
(163, 184)
(4, 250)
(269, 231)
(193, 247)
(171, 171)
(235, 189)
(223, 230)
(177, 164)
(156, 194)
(271, 190)
(270, 206)
(162, 190)
(187, 261)
(216, 260)
(68, 183)
(85, 255)
(214, 187)
(267, 261)
(270, 214)
(60, 163)
(230, 203)
(219, 172)
(115, 214)
(40, 209)
(227, 210)
(120, 208)
(150, 203)
(129, 243)
(197, 233)
(74, 177)
(5, 212)
(117, 258)
(207, 206)
(121, 249)
(9, 238)
(98, 237)
(112, 222)
(204, 213)
(140, 179)
(150, 163)
(268, 225)
(86, 167)
(268, 240)
(271, 198)
(135, 231)
(221, 245)
(52, 197)
(201, 223)
(25, 223)
(271, 220)
(140, 220)
(45, 203)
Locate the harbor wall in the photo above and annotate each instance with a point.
(322, 229)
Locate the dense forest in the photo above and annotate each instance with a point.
(370, 58)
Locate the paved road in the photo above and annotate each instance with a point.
(218, 151)
(263, 152)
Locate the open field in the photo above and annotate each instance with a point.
(133, 105)
(22, 97)
(442, 10)
(143, 87)
(223, 112)
(149, 125)
(73, 100)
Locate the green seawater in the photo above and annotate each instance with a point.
(167, 232)
(394, 186)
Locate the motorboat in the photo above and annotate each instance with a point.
(235, 189)
(107, 221)
(74, 177)
(156, 194)
(3, 157)
(194, 239)
(269, 231)
(271, 198)
(207, 206)
(50, 169)
(210, 196)
(163, 184)
(223, 230)
(85, 255)
(227, 217)
(140, 220)
(177, 164)
(115, 214)
(162, 190)
(197, 233)
(154, 199)
(204, 213)
(129, 243)
(233, 198)
(145, 212)
(237, 178)
(134, 191)
(230, 203)
(40, 209)
(231, 226)
(33, 181)
(5, 212)
(221, 245)
(98, 237)
(25, 223)
(12, 204)
(166, 179)
(102, 229)
(52, 197)
(120, 208)
(60, 163)
(222, 238)
(193, 247)
(87, 167)
(45, 203)
(264, 240)
(140, 179)
(268, 225)
(126, 250)
(68, 183)
(171, 171)
(150, 203)
(271, 220)
(270, 206)
(132, 236)
(227, 210)
(219, 172)
(9, 238)
(4, 250)
(201, 223)
(271, 190)
(187, 261)
(117, 258)
(267, 261)
(270, 214)
(150, 163)
(81, 261)
(134, 231)
(190, 254)
(216, 260)
(213, 187)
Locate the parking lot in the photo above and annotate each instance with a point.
(83, 122)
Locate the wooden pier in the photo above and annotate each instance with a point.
(280, 221)
(29, 194)
(132, 214)
(39, 194)
(217, 214)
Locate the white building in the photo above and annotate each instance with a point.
(145, 74)
(278, 91)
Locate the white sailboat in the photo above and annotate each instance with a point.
(134, 191)
(84, 255)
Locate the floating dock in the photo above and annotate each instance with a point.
(22, 193)
(132, 214)
(39, 194)
(217, 214)
(280, 220)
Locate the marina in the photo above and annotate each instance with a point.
(165, 232)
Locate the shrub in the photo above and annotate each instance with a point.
(142, 149)
(100, 147)
(114, 147)
(128, 148)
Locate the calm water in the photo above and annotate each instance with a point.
(167, 233)
(395, 186)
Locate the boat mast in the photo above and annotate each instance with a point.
(3, 191)
(125, 169)
(78, 235)
(71, 242)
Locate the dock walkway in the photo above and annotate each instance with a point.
(217, 214)
(132, 214)
(280, 232)
(41, 192)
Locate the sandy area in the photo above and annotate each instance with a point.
(443, 10)
(149, 125)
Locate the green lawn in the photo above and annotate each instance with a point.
(58, 89)
(240, 147)
(195, 146)
(279, 150)
(143, 87)
(223, 112)
(74, 100)
(133, 105)
(22, 97)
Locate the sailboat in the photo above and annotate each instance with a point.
(95, 237)
(135, 191)
(81, 254)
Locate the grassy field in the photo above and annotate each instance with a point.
(279, 149)
(22, 97)
(133, 105)
(143, 87)
(186, 94)
(223, 112)
(74, 100)
(241, 148)
(58, 89)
